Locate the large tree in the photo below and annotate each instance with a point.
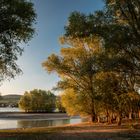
(16, 27)
(118, 25)
(119, 28)
(77, 66)
(107, 70)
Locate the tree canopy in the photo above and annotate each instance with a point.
(37, 101)
(100, 62)
(16, 27)
(77, 66)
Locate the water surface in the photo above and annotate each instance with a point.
(10, 124)
(7, 123)
(9, 109)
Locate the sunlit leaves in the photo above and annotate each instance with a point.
(100, 62)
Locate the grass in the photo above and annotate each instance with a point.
(84, 131)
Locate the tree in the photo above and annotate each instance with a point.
(101, 61)
(59, 105)
(37, 101)
(126, 12)
(119, 28)
(77, 104)
(25, 102)
(50, 102)
(113, 95)
(77, 66)
(16, 26)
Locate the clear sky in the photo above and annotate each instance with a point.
(52, 16)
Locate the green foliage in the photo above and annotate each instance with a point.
(16, 26)
(78, 66)
(101, 62)
(76, 104)
(37, 101)
(59, 105)
(120, 32)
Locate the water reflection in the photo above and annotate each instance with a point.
(8, 124)
(41, 123)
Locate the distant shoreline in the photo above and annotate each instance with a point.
(38, 116)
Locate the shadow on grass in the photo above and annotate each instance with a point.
(127, 135)
(76, 132)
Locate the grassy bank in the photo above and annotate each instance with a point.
(82, 131)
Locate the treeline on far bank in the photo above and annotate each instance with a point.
(39, 100)
(36, 100)
(10, 100)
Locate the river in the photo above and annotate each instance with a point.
(12, 123)
(9, 109)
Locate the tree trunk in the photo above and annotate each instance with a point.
(98, 118)
(107, 115)
(130, 115)
(119, 120)
(110, 119)
(92, 118)
(114, 116)
(93, 115)
(139, 114)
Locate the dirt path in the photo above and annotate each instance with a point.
(74, 132)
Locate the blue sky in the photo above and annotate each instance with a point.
(52, 16)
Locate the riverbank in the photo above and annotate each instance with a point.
(81, 131)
